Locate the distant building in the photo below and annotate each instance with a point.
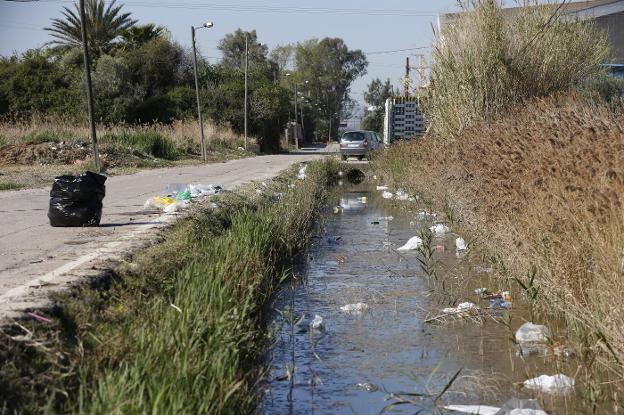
(607, 15)
(403, 119)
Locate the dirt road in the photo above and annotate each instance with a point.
(36, 258)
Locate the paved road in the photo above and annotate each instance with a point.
(36, 258)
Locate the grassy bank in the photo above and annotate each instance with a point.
(541, 189)
(62, 147)
(178, 329)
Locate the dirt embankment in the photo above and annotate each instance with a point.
(542, 188)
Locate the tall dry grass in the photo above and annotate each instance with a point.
(542, 187)
(488, 59)
(184, 133)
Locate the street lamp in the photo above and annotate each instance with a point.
(206, 25)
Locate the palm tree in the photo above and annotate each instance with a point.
(138, 35)
(104, 25)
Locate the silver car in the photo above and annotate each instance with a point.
(359, 143)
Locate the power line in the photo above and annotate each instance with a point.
(381, 52)
(275, 9)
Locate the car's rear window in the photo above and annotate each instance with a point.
(353, 136)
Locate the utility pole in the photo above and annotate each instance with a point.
(296, 125)
(406, 81)
(199, 115)
(87, 65)
(246, 70)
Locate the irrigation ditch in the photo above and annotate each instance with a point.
(318, 292)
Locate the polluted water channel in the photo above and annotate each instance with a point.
(365, 328)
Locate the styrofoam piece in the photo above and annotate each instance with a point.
(532, 333)
(413, 243)
(354, 308)
(556, 384)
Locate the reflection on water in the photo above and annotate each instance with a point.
(352, 364)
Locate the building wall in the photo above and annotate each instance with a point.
(614, 26)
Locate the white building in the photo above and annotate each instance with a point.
(403, 119)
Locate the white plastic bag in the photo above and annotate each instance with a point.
(413, 243)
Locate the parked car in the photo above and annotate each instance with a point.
(359, 143)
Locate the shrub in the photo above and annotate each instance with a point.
(146, 141)
(487, 59)
(47, 136)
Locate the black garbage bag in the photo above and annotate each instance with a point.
(77, 200)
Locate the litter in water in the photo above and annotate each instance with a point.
(460, 244)
(413, 243)
(556, 384)
(423, 215)
(317, 323)
(513, 406)
(532, 333)
(466, 308)
(439, 229)
(368, 387)
(354, 308)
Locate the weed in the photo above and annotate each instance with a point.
(10, 186)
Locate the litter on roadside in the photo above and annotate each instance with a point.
(387, 195)
(302, 172)
(184, 195)
(76, 201)
(556, 384)
(413, 243)
(439, 229)
(356, 308)
(158, 202)
(177, 206)
(317, 323)
(440, 248)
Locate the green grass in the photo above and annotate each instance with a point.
(11, 186)
(180, 329)
(44, 136)
(150, 142)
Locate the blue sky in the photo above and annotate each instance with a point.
(404, 24)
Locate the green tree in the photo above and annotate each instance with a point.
(233, 48)
(376, 95)
(330, 68)
(139, 35)
(105, 24)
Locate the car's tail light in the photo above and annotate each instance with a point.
(365, 143)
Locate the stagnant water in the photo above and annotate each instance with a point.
(358, 361)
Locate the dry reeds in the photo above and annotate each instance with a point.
(542, 187)
(487, 59)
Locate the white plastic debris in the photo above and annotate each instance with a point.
(462, 309)
(259, 191)
(556, 384)
(532, 333)
(401, 195)
(291, 186)
(460, 244)
(423, 214)
(481, 291)
(354, 308)
(382, 188)
(264, 184)
(317, 323)
(201, 190)
(387, 195)
(177, 206)
(386, 218)
(302, 173)
(413, 243)
(473, 409)
(439, 229)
